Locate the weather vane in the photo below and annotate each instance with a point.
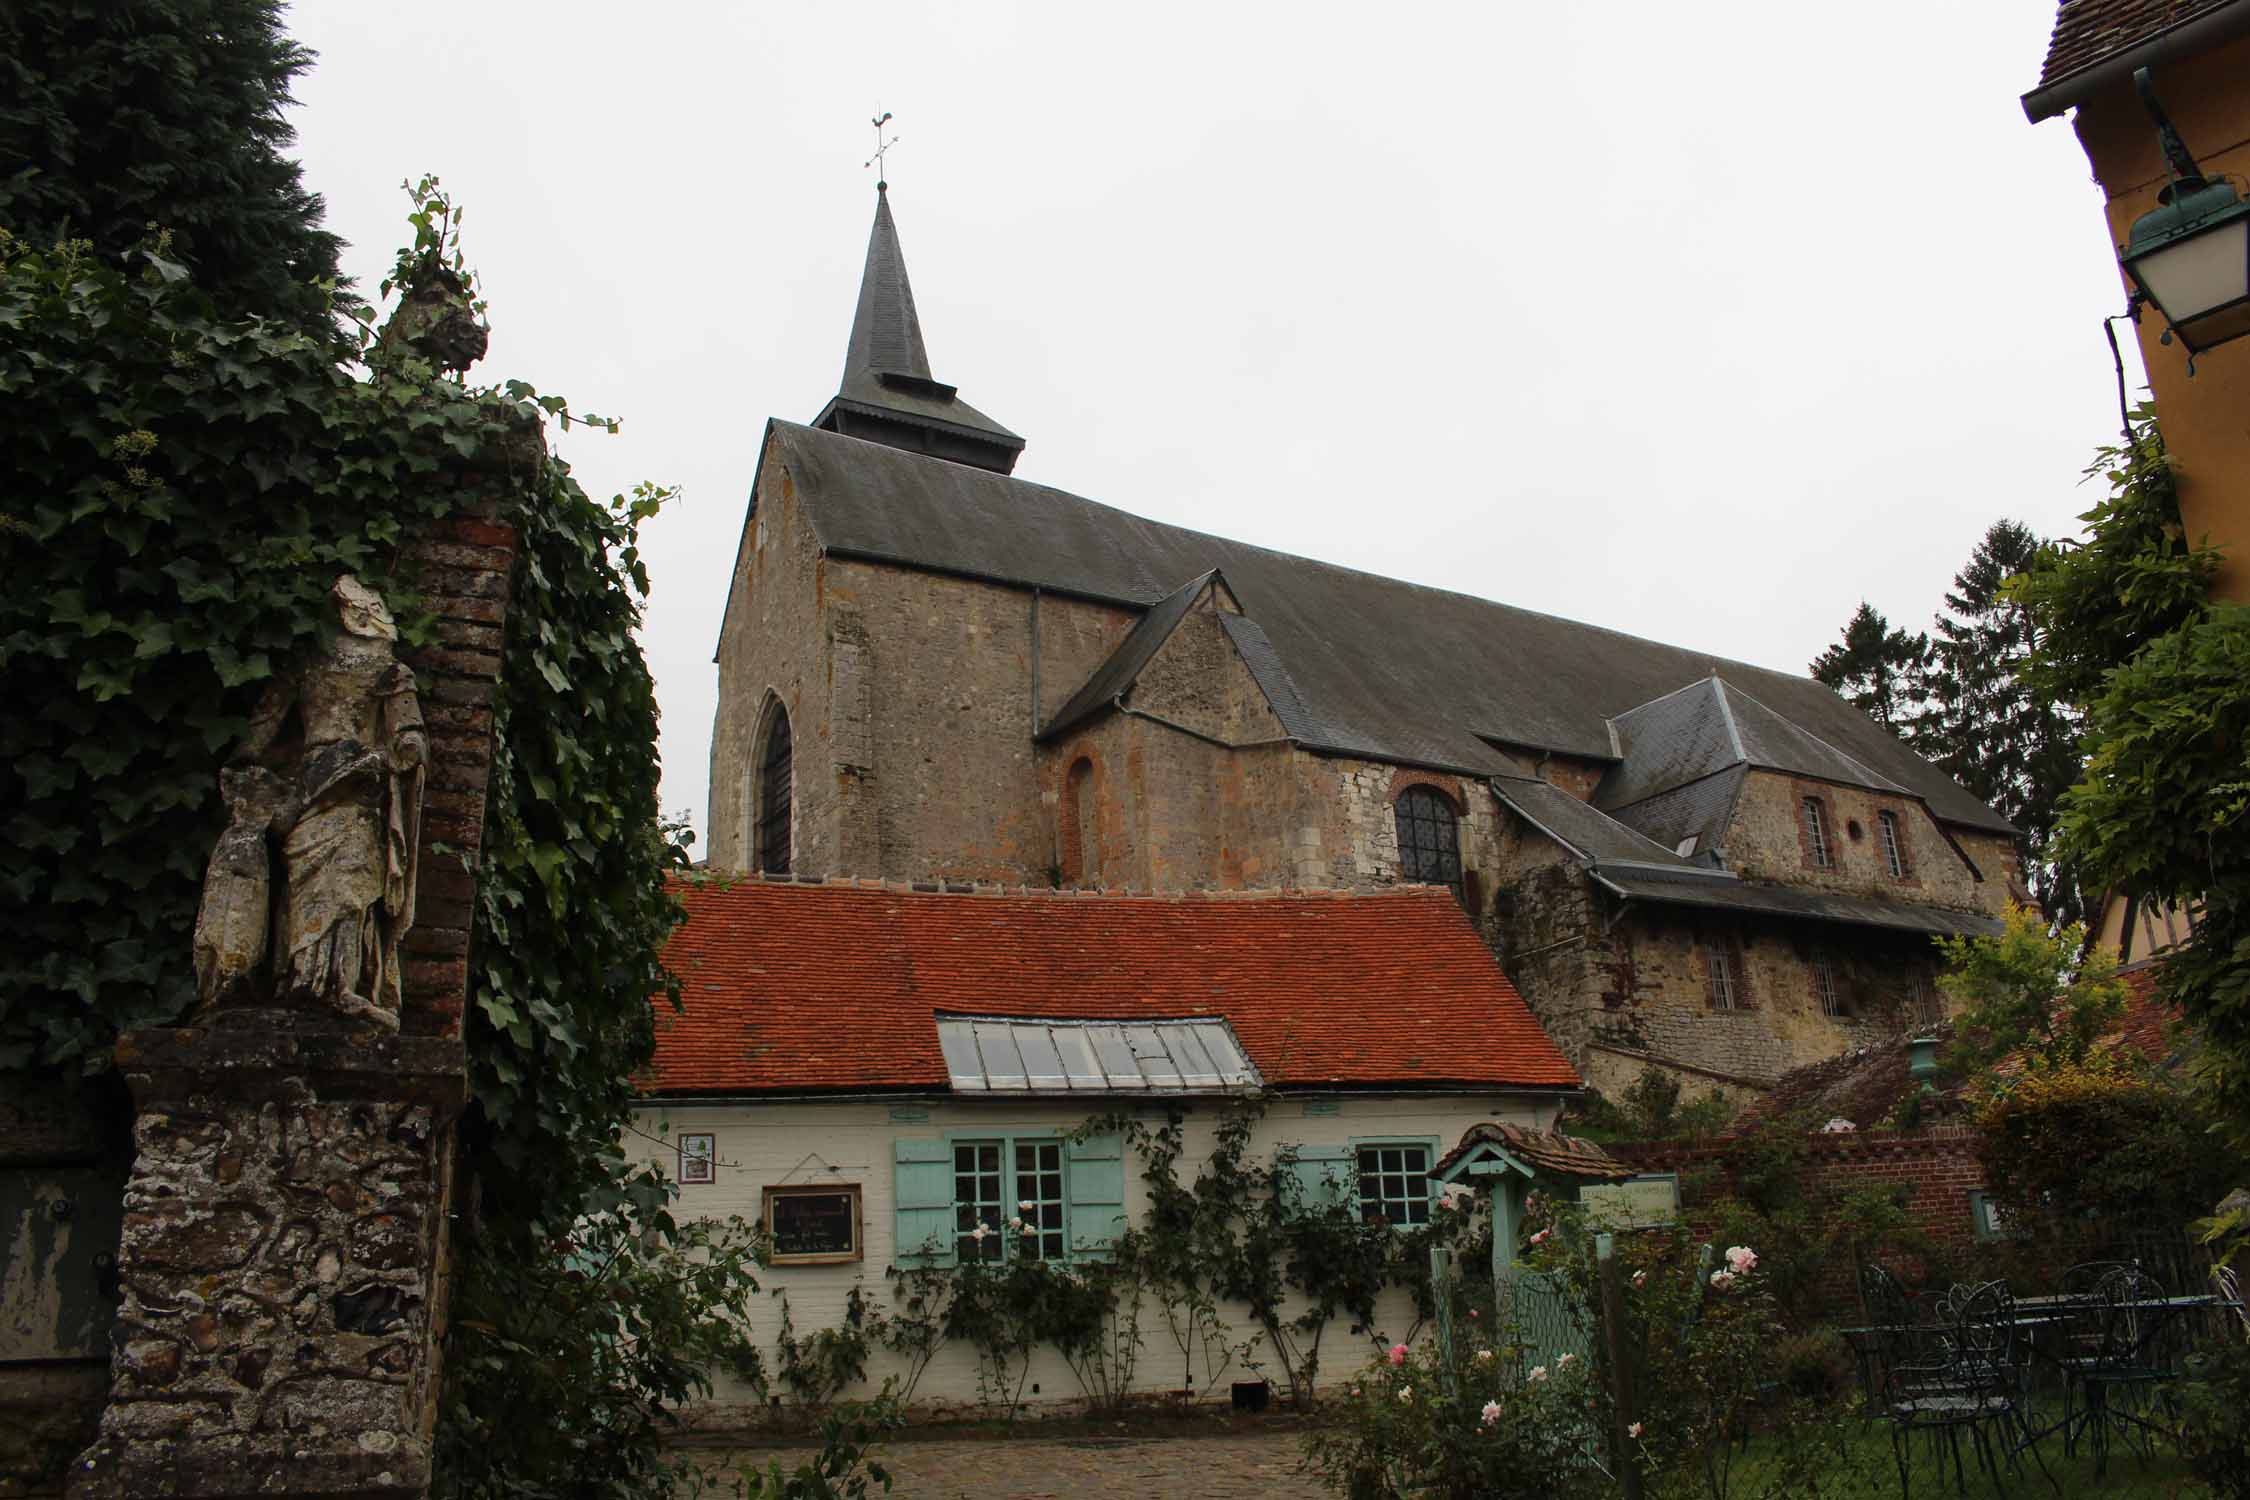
(881, 146)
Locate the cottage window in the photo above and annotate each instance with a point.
(1429, 839)
(1394, 1184)
(1816, 831)
(1021, 1210)
(1824, 986)
(774, 786)
(1888, 826)
(1719, 980)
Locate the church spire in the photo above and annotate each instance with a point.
(888, 394)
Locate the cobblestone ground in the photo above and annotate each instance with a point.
(1089, 1468)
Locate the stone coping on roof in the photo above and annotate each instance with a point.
(832, 987)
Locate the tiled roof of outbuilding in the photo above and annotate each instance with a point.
(1379, 668)
(2086, 31)
(795, 988)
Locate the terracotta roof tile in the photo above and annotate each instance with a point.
(2086, 31)
(808, 988)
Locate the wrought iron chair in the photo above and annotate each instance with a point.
(2142, 1354)
(2228, 1285)
(1975, 1384)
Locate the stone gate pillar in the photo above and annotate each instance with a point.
(283, 1254)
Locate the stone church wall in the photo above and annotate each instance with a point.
(1767, 841)
(774, 643)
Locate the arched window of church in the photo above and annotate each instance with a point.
(775, 770)
(1081, 841)
(1429, 839)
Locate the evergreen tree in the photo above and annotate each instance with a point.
(2014, 747)
(120, 115)
(1875, 668)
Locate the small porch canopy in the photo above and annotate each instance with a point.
(1510, 1161)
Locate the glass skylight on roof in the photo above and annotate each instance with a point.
(1012, 1055)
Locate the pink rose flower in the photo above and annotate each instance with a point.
(1542, 1236)
(1741, 1259)
(1538, 1372)
(1398, 1354)
(1566, 1361)
(1722, 1279)
(1491, 1412)
(1640, 1278)
(1633, 1431)
(1406, 1393)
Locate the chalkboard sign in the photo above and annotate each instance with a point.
(811, 1225)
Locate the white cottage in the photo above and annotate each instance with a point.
(879, 1073)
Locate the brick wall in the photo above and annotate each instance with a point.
(464, 568)
(1934, 1169)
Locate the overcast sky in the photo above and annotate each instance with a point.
(1702, 322)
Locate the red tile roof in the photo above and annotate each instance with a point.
(2086, 31)
(807, 988)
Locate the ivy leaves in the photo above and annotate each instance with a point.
(180, 489)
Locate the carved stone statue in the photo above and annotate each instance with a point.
(330, 777)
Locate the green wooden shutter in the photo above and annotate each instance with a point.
(1323, 1173)
(922, 1203)
(1094, 1183)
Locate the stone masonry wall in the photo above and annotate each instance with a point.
(774, 642)
(1767, 841)
(1659, 1008)
(279, 1289)
(1198, 679)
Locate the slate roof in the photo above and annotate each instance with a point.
(1123, 667)
(1378, 668)
(1592, 833)
(887, 366)
(793, 988)
(1710, 726)
(1703, 808)
(2088, 31)
(1715, 890)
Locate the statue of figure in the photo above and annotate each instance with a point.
(332, 769)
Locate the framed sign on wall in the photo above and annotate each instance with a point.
(813, 1225)
(699, 1158)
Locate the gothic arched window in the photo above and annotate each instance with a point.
(771, 806)
(1429, 839)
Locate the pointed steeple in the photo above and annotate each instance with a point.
(888, 394)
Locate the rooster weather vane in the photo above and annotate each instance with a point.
(881, 146)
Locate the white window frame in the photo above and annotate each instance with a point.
(1718, 985)
(1815, 819)
(1894, 858)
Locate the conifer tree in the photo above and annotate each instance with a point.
(2011, 745)
(119, 116)
(1876, 668)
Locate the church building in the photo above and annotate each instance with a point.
(933, 673)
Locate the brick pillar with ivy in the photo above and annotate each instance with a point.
(283, 1256)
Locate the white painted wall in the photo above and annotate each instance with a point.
(850, 1141)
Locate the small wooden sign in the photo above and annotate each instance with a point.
(1643, 1202)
